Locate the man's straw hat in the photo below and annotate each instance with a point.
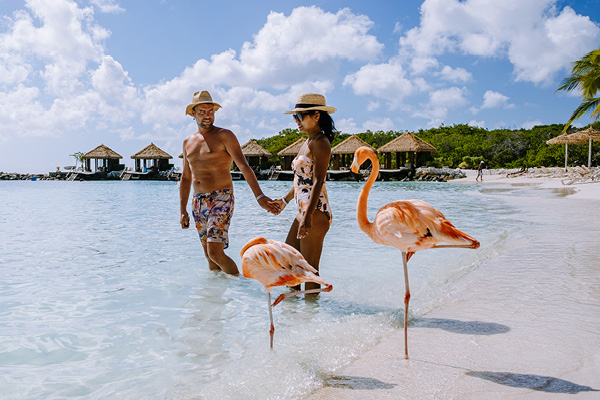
(311, 101)
(202, 97)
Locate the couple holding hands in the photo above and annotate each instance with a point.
(207, 158)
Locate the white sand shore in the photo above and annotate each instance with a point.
(477, 346)
(581, 190)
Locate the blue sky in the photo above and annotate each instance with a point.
(76, 74)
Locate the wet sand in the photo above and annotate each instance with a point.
(513, 330)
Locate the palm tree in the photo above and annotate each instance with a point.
(78, 157)
(585, 76)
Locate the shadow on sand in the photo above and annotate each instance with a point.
(355, 382)
(540, 383)
(463, 327)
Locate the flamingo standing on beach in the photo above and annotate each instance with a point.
(408, 225)
(274, 263)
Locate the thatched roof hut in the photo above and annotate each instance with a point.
(151, 152)
(102, 152)
(253, 149)
(407, 143)
(343, 153)
(254, 153)
(160, 159)
(110, 159)
(290, 152)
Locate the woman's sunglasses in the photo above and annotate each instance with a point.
(299, 116)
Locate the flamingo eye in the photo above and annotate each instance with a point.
(289, 266)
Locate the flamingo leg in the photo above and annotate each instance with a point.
(272, 329)
(296, 293)
(406, 300)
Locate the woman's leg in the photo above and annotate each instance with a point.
(311, 246)
(293, 241)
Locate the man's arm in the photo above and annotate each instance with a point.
(235, 151)
(185, 183)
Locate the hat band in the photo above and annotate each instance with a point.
(306, 105)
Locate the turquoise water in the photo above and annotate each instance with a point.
(103, 295)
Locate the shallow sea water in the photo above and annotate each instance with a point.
(103, 296)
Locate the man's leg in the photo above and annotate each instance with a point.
(211, 264)
(215, 252)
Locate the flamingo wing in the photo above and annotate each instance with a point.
(400, 224)
(413, 225)
(274, 263)
(443, 231)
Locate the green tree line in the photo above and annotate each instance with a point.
(464, 146)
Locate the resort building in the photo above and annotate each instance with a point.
(105, 160)
(406, 144)
(153, 159)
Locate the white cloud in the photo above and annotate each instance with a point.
(531, 124)
(480, 124)
(107, 6)
(455, 74)
(53, 61)
(440, 103)
(421, 65)
(536, 39)
(305, 43)
(492, 99)
(348, 125)
(387, 81)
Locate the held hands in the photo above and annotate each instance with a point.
(269, 205)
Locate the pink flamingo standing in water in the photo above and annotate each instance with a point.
(408, 225)
(274, 263)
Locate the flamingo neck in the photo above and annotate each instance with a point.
(361, 208)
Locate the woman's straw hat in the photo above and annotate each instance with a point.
(201, 98)
(311, 101)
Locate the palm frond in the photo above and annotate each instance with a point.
(592, 105)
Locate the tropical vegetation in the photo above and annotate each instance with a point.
(585, 77)
(464, 146)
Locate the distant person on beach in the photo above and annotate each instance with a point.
(310, 226)
(480, 171)
(208, 154)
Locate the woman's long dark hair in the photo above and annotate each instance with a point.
(327, 126)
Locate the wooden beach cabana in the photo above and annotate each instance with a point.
(288, 154)
(255, 154)
(343, 153)
(109, 159)
(407, 143)
(152, 157)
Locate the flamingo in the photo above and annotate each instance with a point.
(408, 225)
(274, 263)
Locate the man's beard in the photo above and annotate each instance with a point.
(204, 125)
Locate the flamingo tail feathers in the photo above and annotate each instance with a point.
(456, 237)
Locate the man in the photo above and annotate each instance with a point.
(207, 157)
(480, 171)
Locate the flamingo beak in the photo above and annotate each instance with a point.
(354, 167)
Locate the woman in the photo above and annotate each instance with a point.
(310, 169)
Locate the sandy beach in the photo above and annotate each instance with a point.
(506, 333)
